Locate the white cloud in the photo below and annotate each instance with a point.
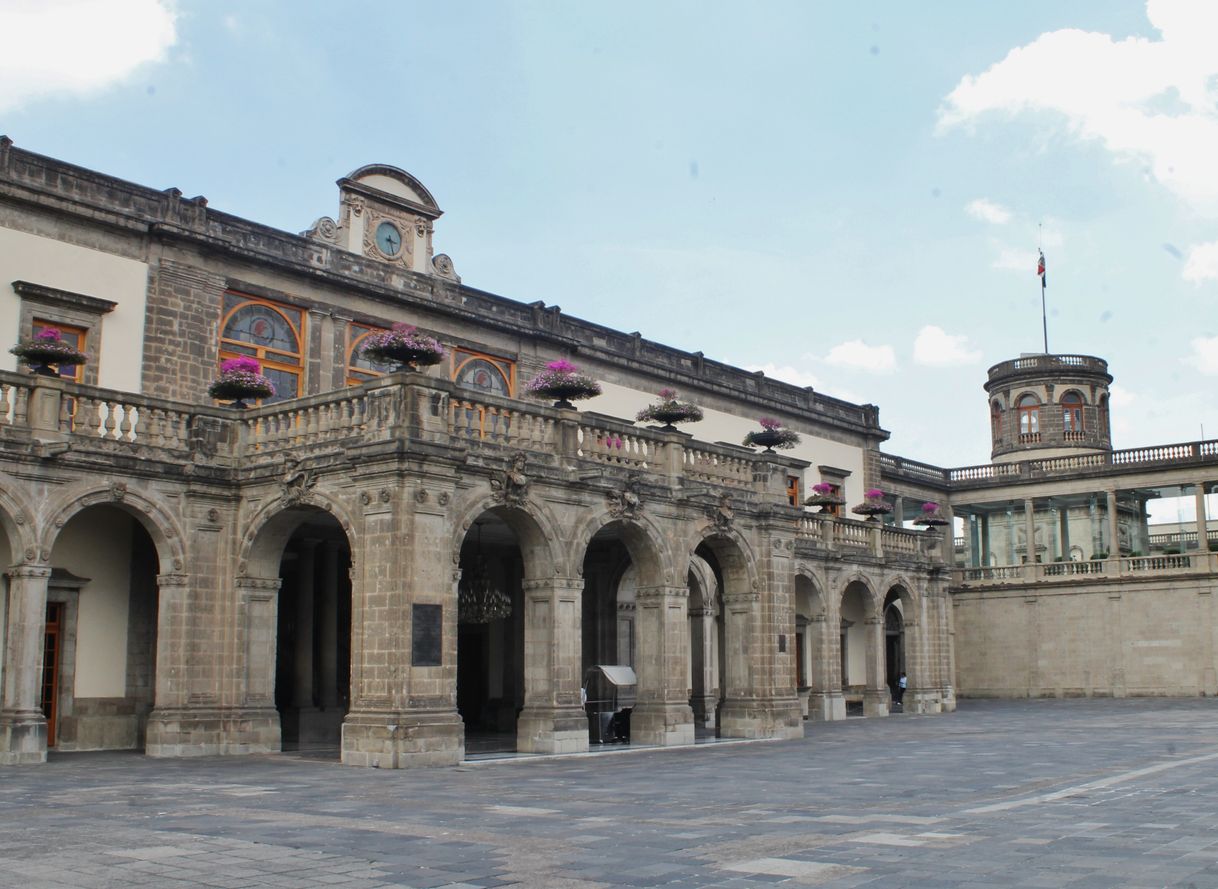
(1150, 101)
(1016, 259)
(77, 47)
(935, 347)
(1205, 355)
(1202, 264)
(988, 211)
(787, 374)
(857, 355)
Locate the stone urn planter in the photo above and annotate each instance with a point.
(931, 519)
(772, 435)
(403, 345)
(873, 505)
(46, 353)
(823, 496)
(669, 411)
(562, 381)
(240, 378)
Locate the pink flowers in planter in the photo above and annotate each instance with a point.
(404, 344)
(562, 381)
(241, 378)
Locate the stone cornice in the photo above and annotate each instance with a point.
(64, 298)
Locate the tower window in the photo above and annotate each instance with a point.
(1072, 415)
(1029, 419)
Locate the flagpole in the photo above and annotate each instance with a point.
(1044, 315)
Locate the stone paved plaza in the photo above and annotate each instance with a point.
(1087, 794)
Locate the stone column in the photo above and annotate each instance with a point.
(174, 727)
(1114, 533)
(704, 679)
(255, 727)
(825, 701)
(1029, 519)
(662, 715)
(1202, 528)
(740, 716)
(23, 728)
(552, 720)
(875, 696)
(328, 631)
(302, 678)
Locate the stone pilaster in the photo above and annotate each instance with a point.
(552, 720)
(23, 728)
(254, 726)
(876, 697)
(825, 700)
(662, 715)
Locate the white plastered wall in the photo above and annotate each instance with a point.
(856, 639)
(38, 260)
(620, 401)
(97, 544)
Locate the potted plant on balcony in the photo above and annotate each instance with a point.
(563, 381)
(873, 504)
(669, 410)
(403, 344)
(823, 496)
(241, 378)
(930, 518)
(771, 435)
(47, 348)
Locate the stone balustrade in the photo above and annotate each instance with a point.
(396, 407)
(1098, 569)
(846, 535)
(1156, 456)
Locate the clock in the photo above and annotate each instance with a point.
(388, 239)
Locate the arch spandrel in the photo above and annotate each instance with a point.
(643, 540)
(873, 599)
(535, 529)
(154, 516)
(268, 530)
(17, 522)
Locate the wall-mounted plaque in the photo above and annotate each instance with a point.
(427, 636)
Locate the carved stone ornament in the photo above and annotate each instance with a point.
(356, 204)
(385, 495)
(722, 515)
(19, 518)
(297, 479)
(442, 267)
(324, 229)
(118, 490)
(443, 499)
(365, 498)
(512, 488)
(213, 515)
(421, 495)
(626, 503)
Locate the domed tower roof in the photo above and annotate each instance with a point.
(1048, 406)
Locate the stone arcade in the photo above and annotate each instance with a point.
(187, 578)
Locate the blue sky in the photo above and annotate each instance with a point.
(844, 195)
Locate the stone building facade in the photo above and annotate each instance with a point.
(187, 578)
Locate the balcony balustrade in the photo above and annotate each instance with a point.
(1097, 569)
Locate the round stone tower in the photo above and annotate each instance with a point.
(1048, 406)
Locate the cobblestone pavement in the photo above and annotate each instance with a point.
(1084, 794)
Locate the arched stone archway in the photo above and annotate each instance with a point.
(629, 548)
(861, 647)
(295, 605)
(705, 656)
(817, 644)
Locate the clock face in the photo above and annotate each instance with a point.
(388, 239)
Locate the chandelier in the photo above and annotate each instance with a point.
(479, 601)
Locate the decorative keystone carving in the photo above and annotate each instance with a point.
(297, 479)
(626, 503)
(118, 490)
(421, 495)
(722, 515)
(512, 488)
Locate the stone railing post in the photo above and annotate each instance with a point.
(875, 695)
(44, 408)
(568, 434)
(23, 728)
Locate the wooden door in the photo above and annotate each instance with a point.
(50, 668)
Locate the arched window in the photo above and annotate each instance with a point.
(996, 421)
(1103, 417)
(268, 331)
(1029, 419)
(483, 372)
(1072, 415)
